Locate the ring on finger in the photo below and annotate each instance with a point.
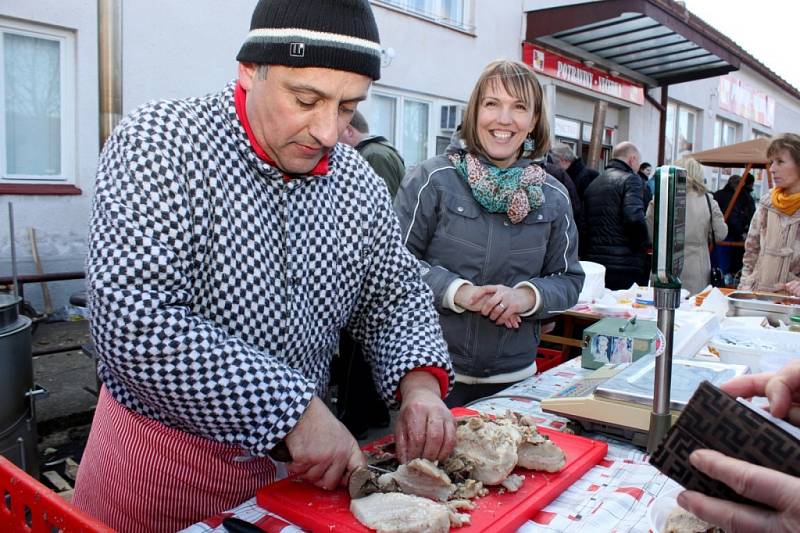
(502, 305)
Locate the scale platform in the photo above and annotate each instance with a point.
(617, 399)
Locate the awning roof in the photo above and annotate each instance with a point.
(656, 42)
(736, 155)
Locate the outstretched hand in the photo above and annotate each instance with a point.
(781, 388)
(779, 491)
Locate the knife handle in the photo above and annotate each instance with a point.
(281, 453)
(237, 525)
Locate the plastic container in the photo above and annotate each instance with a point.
(28, 506)
(763, 350)
(795, 325)
(659, 510)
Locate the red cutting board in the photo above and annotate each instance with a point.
(318, 510)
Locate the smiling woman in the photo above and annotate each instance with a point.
(494, 233)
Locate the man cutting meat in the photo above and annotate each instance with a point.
(230, 240)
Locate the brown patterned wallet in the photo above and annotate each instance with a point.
(713, 419)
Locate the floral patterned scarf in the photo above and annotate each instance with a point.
(516, 191)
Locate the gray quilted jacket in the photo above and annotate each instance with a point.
(454, 237)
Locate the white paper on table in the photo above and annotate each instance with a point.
(716, 302)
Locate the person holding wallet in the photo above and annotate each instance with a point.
(775, 489)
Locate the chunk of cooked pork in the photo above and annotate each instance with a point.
(395, 512)
(421, 478)
(513, 482)
(537, 452)
(489, 446)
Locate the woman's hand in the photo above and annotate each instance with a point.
(503, 305)
(470, 297)
(792, 287)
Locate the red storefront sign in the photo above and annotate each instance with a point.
(574, 72)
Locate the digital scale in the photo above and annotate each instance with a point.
(617, 399)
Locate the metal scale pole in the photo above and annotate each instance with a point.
(668, 240)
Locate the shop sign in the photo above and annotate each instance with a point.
(565, 127)
(574, 72)
(738, 97)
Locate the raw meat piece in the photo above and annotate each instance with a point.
(401, 513)
(490, 446)
(421, 478)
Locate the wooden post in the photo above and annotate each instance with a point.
(598, 128)
(48, 303)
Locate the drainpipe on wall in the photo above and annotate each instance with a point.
(109, 48)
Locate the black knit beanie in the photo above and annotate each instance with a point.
(335, 34)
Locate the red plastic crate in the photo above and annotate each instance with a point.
(547, 358)
(28, 506)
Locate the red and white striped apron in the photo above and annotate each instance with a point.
(139, 475)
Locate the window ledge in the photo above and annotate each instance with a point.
(443, 22)
(40, 189)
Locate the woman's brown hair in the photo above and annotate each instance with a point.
(785, 141)
(520, 82)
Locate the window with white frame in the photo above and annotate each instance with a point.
(37, 93)
(725, 132)
(454, 13)
(405, 121)
(681, 127)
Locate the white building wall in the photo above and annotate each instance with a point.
(181, 48)
(60, 221)
(437, 60)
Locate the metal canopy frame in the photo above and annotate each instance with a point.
(655, 42)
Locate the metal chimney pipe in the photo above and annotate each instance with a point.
(109, 49)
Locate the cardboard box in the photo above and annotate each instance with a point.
(618, 340)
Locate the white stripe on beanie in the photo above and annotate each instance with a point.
(281, 35)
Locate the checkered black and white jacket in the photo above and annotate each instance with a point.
(218, 288)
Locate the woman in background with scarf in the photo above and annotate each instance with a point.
(494, 233)
(771, 260)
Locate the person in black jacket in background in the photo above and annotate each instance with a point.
(558, 172)
(581, 175)
(615, 229)
(729, 258)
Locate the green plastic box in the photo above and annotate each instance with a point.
(618, 340)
